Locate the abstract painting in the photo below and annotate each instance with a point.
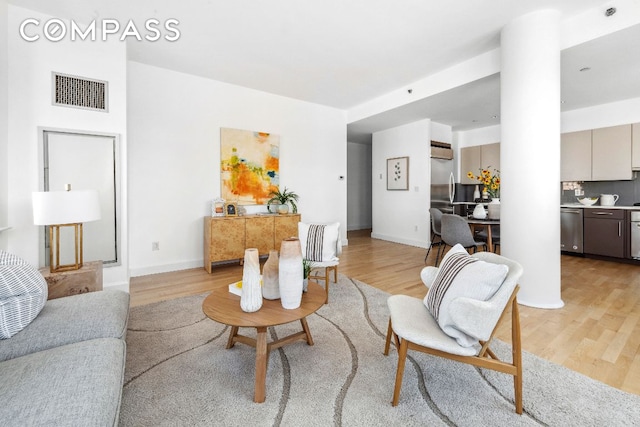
(398, 173)
(249, 165)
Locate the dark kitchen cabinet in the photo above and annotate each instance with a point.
(604, 231)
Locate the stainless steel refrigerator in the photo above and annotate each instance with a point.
(443, 185)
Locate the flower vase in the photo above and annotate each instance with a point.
(251, 296)
(479, 212)
(291, 274)
(494, 208)
(270, 276)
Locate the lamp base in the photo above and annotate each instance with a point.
(54, 248)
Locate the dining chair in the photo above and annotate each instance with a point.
(460, 326)
(495, 236)
(455, 230)
(321, 245)
(436, 217)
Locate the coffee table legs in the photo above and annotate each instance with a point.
(262, 351)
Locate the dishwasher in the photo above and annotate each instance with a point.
(635, 234)
(571, 231)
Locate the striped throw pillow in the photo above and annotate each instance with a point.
(23, 293)
(461, 275)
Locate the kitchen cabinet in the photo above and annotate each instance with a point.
(575, 155)
(611, 153)
(226, 238)
(477, 157)
(635, 146)
(604, 231)
(602, 154)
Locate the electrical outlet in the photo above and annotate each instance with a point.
(155, 246)
(579, 192)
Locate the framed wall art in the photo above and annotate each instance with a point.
(398, 173)
(249, 165)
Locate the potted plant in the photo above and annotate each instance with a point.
(307, 265)
(284, 198)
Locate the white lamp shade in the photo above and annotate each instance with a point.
(65, 207)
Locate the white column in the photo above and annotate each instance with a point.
(530, 154)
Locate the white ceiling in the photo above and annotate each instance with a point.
(613, 75)
(343, 53)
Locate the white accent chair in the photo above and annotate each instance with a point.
(414, 328)
(321, 244)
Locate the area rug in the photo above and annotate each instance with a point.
(179, 373)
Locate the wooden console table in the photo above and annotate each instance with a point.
(72, 282)
(226, 237)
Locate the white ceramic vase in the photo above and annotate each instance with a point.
(479, 212)
(270, 276)
(494, 208)
(476, 193)
(251, 296)
(290, 273)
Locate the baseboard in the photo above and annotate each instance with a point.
(118, 286)
(166, 268)
(358, 227)
(410, 242)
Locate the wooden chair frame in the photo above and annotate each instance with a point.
(485, 358)
(326, 277)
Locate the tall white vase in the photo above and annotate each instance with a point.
(290, 273)
(271, 276)
(251, 296)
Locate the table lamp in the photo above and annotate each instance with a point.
(68, 208)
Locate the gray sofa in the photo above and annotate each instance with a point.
(66, 367)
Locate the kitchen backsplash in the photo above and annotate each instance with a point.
(629, 191)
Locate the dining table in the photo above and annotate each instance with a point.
(486, 223)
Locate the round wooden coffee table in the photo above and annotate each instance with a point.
(224, 307)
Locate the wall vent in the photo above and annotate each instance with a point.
(79, 92)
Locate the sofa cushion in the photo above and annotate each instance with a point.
(23, 293)
(74, 385)
(461, 275)
(66, 320)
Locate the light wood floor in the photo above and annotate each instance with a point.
(597, 333)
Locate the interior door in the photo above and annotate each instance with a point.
(86, 162)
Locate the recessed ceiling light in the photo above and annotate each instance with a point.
(610, 11)
(585, 69)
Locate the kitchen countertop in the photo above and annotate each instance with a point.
(596, 206)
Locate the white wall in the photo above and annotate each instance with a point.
(4, 158)
(174, 157)
(480, 136)
(30, 65)
(358, 186)
(613, 114)
(604, 115)
(402, 216)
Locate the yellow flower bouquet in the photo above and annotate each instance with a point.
(489, 180)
